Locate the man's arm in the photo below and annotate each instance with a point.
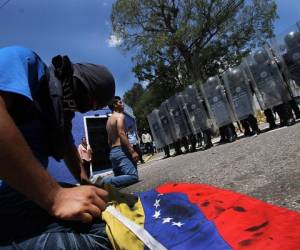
(107, 131)
(23, 172)
(123, 137)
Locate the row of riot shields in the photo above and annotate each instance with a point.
(230, 101)
(259, 74)
(271, 73)
(181, 115)
(274, 70)
(220, 101)
(193, 111)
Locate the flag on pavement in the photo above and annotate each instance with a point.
(196, 216)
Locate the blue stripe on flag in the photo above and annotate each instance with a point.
(179, 224)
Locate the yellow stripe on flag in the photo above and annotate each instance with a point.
(119, 235)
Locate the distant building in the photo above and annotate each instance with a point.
(92, 126)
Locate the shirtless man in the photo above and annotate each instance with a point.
(122, 155)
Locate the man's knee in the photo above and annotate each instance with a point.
(135, 177)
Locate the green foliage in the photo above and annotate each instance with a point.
(145, 102)
(180, 42)
(132, 96)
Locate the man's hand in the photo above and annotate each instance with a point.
(83, 203)
(135, 156)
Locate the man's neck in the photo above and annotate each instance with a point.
(118, 111)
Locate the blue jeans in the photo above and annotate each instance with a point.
(124, 168)
(24, 225)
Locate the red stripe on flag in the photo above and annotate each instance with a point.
(242, 221)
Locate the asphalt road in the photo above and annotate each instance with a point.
(266, 166)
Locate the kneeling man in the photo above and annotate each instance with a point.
(122, 155)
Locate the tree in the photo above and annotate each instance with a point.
(143, 102)
(193, 37)
(183, 42)
(132, 96)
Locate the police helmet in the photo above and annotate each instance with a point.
(235, 74)
(261, 56)
(292, 39)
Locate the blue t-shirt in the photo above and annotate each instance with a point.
(22, 72)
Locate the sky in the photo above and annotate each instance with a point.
(81, 29)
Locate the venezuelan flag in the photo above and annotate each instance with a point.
(195, 216)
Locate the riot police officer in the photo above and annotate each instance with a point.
(270, 88)
(292, 60)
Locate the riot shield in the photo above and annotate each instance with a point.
(266, 78)
(178, 118)
(216, 102)
(286, 47)
(157, 131)
(192, 104)
(166, 124)
(239, 93)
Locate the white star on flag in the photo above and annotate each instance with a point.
(157, 214)
(156, 204)
(178, 224)
(167, 220)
